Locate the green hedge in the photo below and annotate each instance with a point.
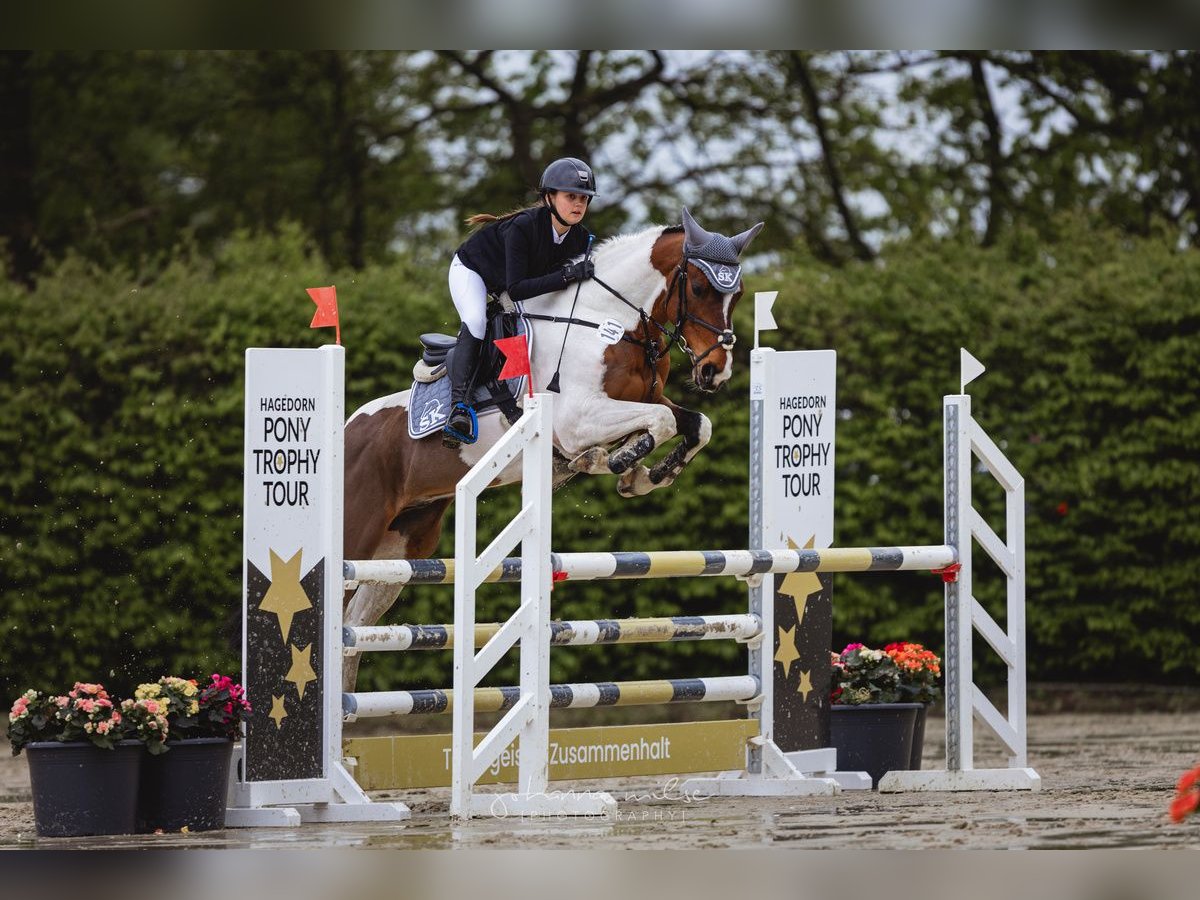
(121, 489)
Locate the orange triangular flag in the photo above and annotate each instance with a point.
(516, 358)
(326, 315)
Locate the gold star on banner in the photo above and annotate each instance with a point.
(787, 653)
(301, 672)
(278, 712)
(805, 686)
(801, 606)
(285, 597)
(800, 585)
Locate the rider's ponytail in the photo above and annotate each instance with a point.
(479, 220)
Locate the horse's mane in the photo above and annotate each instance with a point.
(619, 239)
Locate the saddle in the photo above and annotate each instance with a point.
(429, 403)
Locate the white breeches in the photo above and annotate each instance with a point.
(469, 294)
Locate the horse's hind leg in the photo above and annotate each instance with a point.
(413, 534)
(366, 607)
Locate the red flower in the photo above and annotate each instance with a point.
(1184, 805)
(1188, 779)
(1062, 509)
(1187, 797)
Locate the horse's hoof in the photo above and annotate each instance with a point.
(664, 480)
(636, 482)
(590, 462)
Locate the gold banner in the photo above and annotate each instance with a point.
(398, 762)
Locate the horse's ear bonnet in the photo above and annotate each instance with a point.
(715, 254)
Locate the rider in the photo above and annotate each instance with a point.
(526, 253)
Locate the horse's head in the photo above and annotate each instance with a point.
(704, 284)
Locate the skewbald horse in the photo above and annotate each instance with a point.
(674, 286)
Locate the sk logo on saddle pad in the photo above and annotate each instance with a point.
(432, 415)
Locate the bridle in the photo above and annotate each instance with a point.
(725, 336)
(673, 336)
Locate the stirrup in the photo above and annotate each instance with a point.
(452, 437)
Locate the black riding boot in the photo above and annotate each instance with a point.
(462, 427)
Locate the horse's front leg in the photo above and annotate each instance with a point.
(585, 429)
(694, 429)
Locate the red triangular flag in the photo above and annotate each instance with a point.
(516, 358)
(326, 315)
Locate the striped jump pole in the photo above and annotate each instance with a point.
(376, 704)
(364, 638)
(663, 564)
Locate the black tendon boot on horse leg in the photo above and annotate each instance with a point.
(462, 427)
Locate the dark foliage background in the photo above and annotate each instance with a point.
(120, 491)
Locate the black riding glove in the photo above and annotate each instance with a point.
(578, 271)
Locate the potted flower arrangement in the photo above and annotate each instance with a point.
(186, 787)
(85, 752)
(920, 670)
(877, 698)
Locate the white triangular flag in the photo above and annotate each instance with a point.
(970, 367)
(763, 320)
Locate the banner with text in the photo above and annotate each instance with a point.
(292, 547)
(799, 414)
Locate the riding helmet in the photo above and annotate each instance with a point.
(568, 174)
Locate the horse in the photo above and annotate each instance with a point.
(673, 286)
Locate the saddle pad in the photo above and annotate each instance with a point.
(429, 402)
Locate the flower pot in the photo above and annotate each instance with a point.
(186, 786)
(80, 789)
(918, 742)
(873, 737)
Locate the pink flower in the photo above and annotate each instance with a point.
(61, 701)
(18, 708)
(850, 647)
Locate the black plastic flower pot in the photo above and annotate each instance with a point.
(186, 787)
(875, 738)
(918, 742)
(80, 789)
